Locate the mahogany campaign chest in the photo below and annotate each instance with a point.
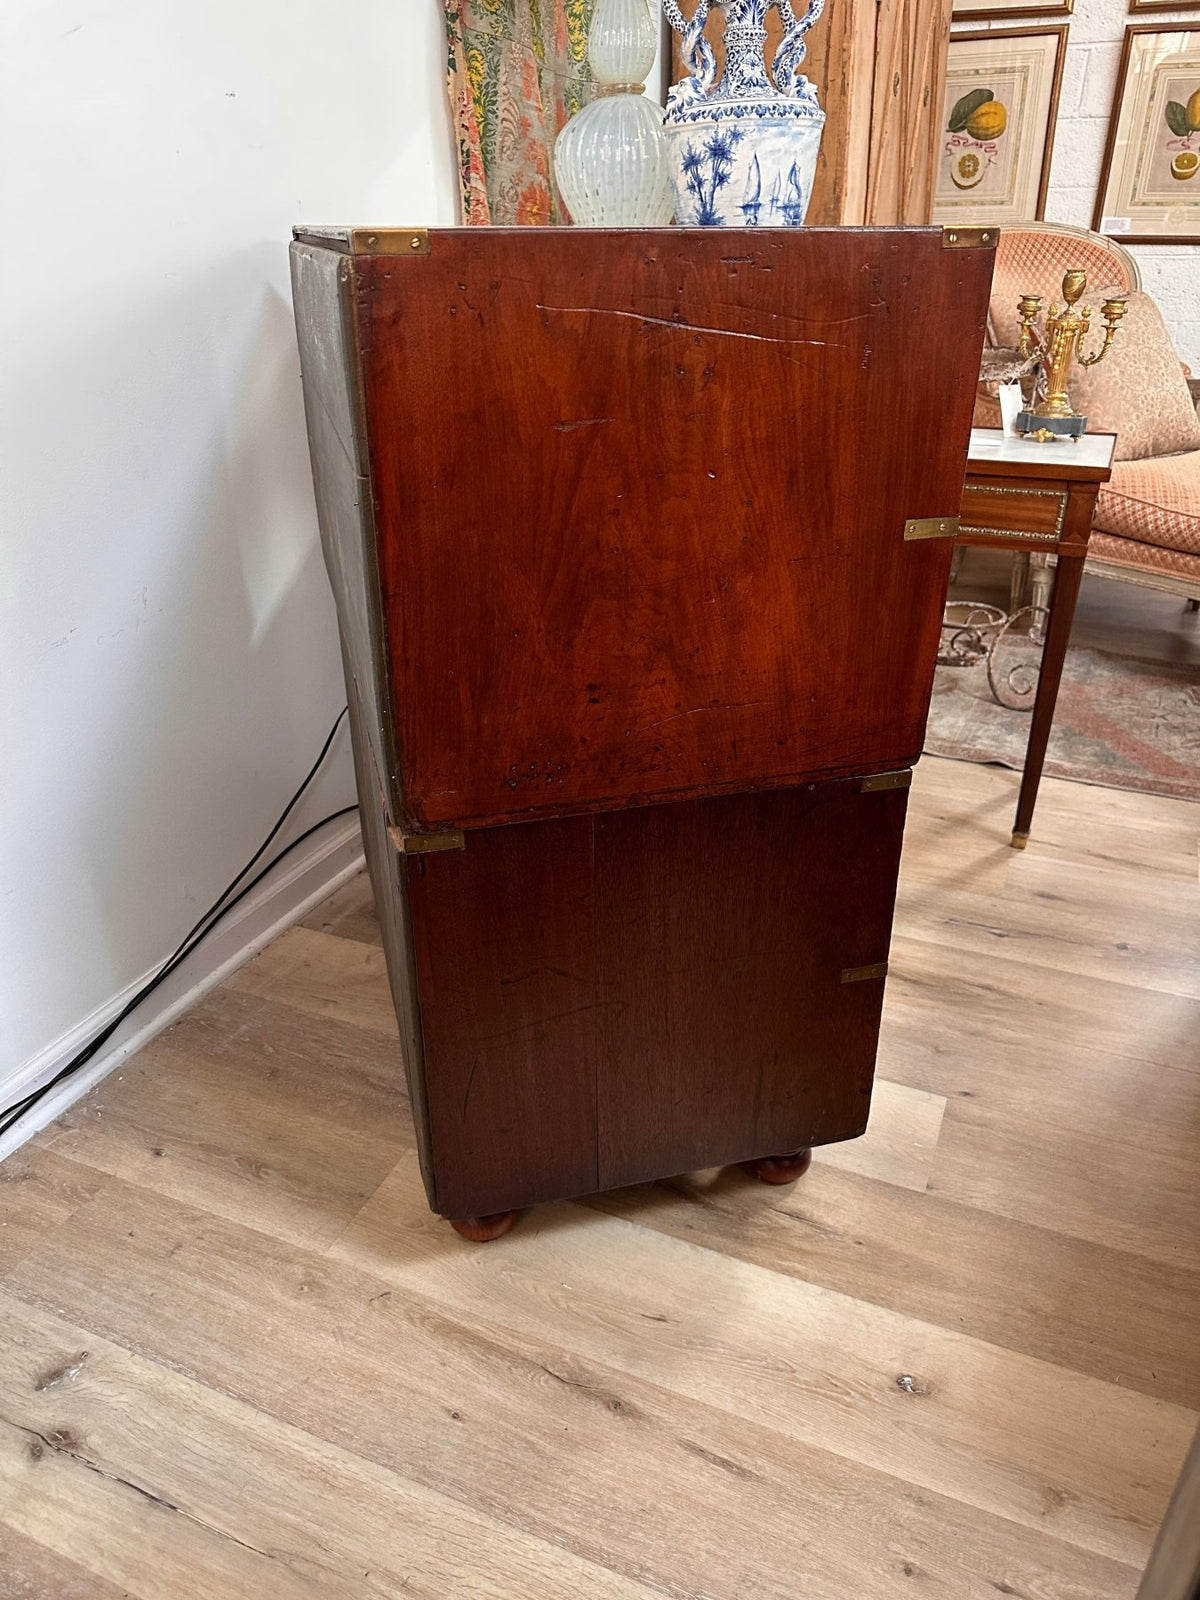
(639, 542)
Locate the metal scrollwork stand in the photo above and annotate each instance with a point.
(973, 631)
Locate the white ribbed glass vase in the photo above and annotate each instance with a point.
(611, 158)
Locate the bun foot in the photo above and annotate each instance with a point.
(778, 1169)
(480, 1229)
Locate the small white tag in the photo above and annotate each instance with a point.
(1115, 225)
(1011, 402)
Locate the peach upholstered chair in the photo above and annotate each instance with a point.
(1147, 524)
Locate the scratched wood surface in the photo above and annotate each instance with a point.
(239, 1357)
(631, 552)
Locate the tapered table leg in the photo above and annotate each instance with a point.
(1058, 634)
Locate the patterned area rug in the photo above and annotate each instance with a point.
(1121, 721)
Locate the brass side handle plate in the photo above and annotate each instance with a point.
(390, 241)
(931, 528)
(887, 780)
(957, 238)
(877, 969)
(416, 844)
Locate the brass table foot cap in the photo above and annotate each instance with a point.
(1019, 841)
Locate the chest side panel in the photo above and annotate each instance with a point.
(612, 998)
(640, 502)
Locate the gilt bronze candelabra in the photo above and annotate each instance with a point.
(1057, 343)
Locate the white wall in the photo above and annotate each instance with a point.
(168, 652)
(1171, 273)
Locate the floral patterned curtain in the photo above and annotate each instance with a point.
(517, 71)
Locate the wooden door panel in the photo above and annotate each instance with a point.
(732, 922)
(506, 970)
(610, 999)
(640, 501)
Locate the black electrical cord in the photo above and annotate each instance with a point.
(220, 907)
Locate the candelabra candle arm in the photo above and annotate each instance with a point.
(1097, 355)
(1112, 311)
(1030, 340)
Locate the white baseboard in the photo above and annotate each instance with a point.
(313, 871)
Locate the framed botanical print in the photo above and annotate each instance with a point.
(1164, 5)
(1001, 101)
(981, 10)
(1150, 185)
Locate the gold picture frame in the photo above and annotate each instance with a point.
(1149, 189)
(998, 116)
(1164, 5)
(1013, 10)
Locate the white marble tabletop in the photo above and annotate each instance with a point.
(1089, 450)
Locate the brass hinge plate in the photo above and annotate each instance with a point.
(389, 241)
(877, 969)
(418, 844)
(970, 238)
(931, 528)
(887, 780)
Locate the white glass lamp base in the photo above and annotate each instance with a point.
(612, 164)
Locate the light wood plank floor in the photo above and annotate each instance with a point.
(959, 1359)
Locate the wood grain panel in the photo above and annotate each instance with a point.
(610, 999)
(696, 1497)
(735, 1036)
(1018, 1285)
(982, 1423)
(511, 984)
(1034, 511)
(349, 913)
(127, 1418)
(912, 40)
(31, 1571)
(97, 1530)
(325, 329)
(36, 1197)
(256, 1110)
(901, 1138)
(391, 901)
(330, 368)
(639, 506)
(323, 977)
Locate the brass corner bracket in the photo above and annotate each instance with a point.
(877, 969)
(931, 528)
(418, 844)
(970, 238)
(887, 780)
(390, 241)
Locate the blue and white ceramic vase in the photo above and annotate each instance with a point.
(743, 151)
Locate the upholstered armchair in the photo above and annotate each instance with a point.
(1147, 524)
